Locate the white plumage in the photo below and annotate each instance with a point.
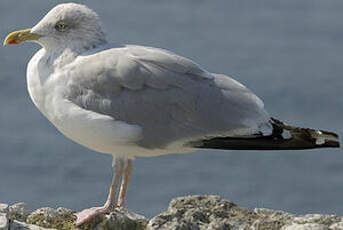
(131, 100)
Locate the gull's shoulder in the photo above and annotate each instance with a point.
(168, 60)
(127, 57)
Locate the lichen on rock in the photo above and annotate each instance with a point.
(61, 218)
(64, 219)
(19, 211)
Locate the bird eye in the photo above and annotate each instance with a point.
(61, 27)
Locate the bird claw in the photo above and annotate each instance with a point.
(87, 215)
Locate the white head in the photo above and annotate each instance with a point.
(67, 25)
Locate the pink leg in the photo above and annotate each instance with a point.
(125, 182)
(87, 215)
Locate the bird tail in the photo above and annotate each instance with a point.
(297, 138)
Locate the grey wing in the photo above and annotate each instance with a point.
(170, 97)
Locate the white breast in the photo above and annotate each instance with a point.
(96, 131)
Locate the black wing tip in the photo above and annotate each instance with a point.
(332, 144)
(331, 139)
(327, 144)
(301, 138)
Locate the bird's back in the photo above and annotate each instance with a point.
(170, 97)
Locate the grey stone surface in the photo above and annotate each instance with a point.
(16, 225)
(203, 212)
(122, 219)
(337, 226)
(213, 213)
(307, 226)
(4, 217)
(198, 212)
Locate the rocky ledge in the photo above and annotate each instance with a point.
(184, 213)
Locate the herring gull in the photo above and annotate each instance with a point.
(136, 101)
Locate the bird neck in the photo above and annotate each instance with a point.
(76, 47)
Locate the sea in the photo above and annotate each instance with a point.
(290, 53)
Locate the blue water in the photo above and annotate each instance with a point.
(290, 53)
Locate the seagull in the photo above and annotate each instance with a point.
(136, 101)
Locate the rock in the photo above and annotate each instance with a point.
(202, 212)
(307, 226)
(213, 213)
(120, 220)
(4, 217)
(19, 211)
(60, 218)
(198, 212)
(16, 225)
(337, 226)
(63, 219)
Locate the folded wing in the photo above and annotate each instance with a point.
(170, 97)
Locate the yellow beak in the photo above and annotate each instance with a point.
(20, 36)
